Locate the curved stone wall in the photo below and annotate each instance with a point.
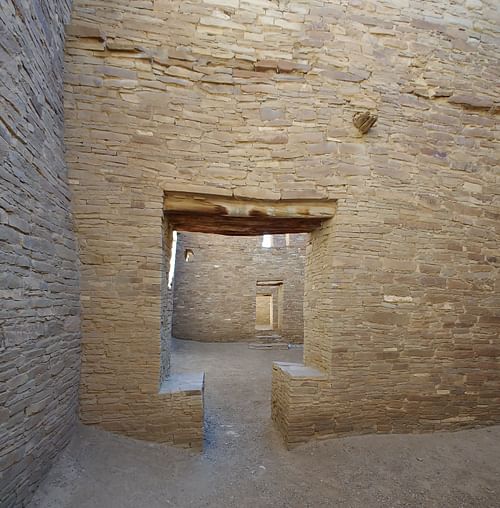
(256, 99)
(39, 280)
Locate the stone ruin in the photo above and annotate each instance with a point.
(122, 121)
(234, 289)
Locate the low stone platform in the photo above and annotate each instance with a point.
(186, 390)
(301, 402)
(185, 382)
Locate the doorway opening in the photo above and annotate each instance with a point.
(230, 223)
(270, 325)
(233, 290)
(264, 312)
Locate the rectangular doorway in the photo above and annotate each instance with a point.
(264, 312)
(269, 306)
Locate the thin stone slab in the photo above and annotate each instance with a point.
(183, 382)
(268, 345)
(299, 370)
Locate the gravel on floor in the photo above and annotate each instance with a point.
(244, 463)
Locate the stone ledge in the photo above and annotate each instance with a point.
(183, 382)
(299, 370)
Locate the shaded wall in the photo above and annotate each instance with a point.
(39, 293)
(214, 292)
(256, 99)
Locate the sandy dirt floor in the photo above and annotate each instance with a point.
(244, 463)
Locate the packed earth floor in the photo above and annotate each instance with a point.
(244, 463)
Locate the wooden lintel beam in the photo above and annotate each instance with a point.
(221, 205)
(229, 216)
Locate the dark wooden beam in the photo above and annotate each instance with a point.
(237, 217)
(241, 226)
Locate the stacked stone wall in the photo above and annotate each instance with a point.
(39, 282)
(256, 100)
(214, 297)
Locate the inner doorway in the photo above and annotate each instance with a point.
(270, 300)
(188, 213)
(264, 312)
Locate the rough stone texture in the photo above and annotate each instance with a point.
(214, 293)
(256, 100)
(39, 286)
(302, 403)
(185, 391)
(136, 397)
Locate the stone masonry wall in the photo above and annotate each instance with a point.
(39, 282)
(255, 98)
(214, 293)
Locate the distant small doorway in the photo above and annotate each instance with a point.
(264, 312)
(269, 306)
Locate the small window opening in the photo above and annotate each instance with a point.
(267, 241)
(188, 254)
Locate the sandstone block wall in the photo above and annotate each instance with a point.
(39, 293)
(128, 389)
(302, 403)
(256, 99)
(215, 291)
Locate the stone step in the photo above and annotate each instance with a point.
(267, 337)
(268, 345)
